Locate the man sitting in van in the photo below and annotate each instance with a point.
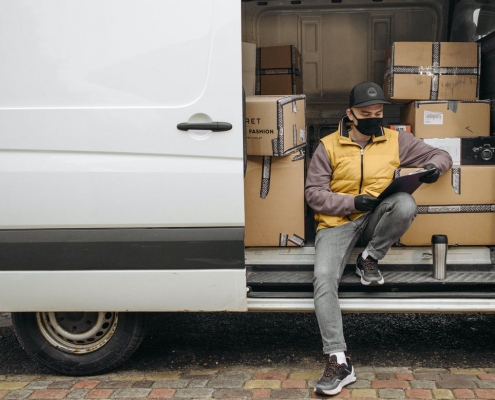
(348, 171)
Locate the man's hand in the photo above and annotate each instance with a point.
(363, 202)
(433, 177)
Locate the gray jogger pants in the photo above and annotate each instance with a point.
(377, 231)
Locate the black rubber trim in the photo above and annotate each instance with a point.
(122, 249)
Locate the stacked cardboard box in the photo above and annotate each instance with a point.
(440, 83)
(274, 180)
(278, 71)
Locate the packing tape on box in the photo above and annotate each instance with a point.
(434, 71)
(456, 180)
(450, 209)
(284, 240)
(265, 176)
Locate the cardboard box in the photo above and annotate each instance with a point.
(464, 229)
(279, 57)
(461, 185)
(275, 125)
(444, 119)
(279, 84)
(400, 127)
(487, 86)
(249, 68)
(432, 71)
(274, 201)
(450, 145)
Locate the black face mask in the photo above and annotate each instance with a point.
(368, 126)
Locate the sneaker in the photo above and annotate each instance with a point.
(335, 377)
(368, 271)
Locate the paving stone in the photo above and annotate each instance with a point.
(171, 384)
(3, 377)
(393, 369)
(238, 375)
(60, 385)
(203, 371)
(198, 376)
(78, 394)
(312, 383)
(366, 375)
(391, 393)
(143, 384)
(427, 376)
(360, 369)
(485, 393)
(231, 393)
(459, 376)
(131, 393)
(280, 376)
(197, 383)
(12, 385)
(486, 384)
(378, 384)
(161, 393)
(293, 384)
(227, 383)
(100, 394)
(194, 393)
(261, 393)
(3, 393)
(442, 394)
(290, 394)
(356, 393)
(49, 394)
(463, 394)
(114, 385)
(432, 370)
(262, 384)
(418, 394)
(423, 384)
(38, 385)
(86, 384)
(469, 371)
(456, 384)
(305, 375)
(404, 376)
(486, 376)
(360, 384)
(385, 375)
(160, 376)
(18, 394)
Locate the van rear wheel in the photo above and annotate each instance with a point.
(79, 343)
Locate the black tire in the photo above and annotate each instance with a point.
(111, 344)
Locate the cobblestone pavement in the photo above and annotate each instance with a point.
(259, 383)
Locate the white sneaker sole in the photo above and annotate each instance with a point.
(380, 282)
(350, 379)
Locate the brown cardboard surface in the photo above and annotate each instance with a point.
(465, 229)
(280, 84)
(474, 184)
(458, 118)
(280, 57)
(282, 210)
(412, 73)
(279, 118)
(249, 68)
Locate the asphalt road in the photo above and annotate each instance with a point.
(188, 340)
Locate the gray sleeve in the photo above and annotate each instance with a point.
(318, 194)
(413, 152)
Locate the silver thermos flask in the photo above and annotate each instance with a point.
(439, 245)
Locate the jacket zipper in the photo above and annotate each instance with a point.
(362, 170)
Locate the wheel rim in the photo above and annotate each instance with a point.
(77, 332)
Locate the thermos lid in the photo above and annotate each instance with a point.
(439, 239)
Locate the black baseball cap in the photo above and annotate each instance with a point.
(366, 94)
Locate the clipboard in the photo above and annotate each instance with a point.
(407, 183)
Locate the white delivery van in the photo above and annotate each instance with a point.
(122, 164)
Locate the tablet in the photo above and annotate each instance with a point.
(407, 183)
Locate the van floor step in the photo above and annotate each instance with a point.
(296, 278)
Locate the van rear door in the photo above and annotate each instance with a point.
(122, 146)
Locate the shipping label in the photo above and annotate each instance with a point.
(433, 118)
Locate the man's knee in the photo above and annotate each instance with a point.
(403, 204)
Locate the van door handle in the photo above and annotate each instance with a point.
(205, 126)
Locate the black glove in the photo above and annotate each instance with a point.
(433, 177)
(363, 202)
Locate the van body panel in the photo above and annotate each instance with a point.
(138, 290)
(92, 93)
